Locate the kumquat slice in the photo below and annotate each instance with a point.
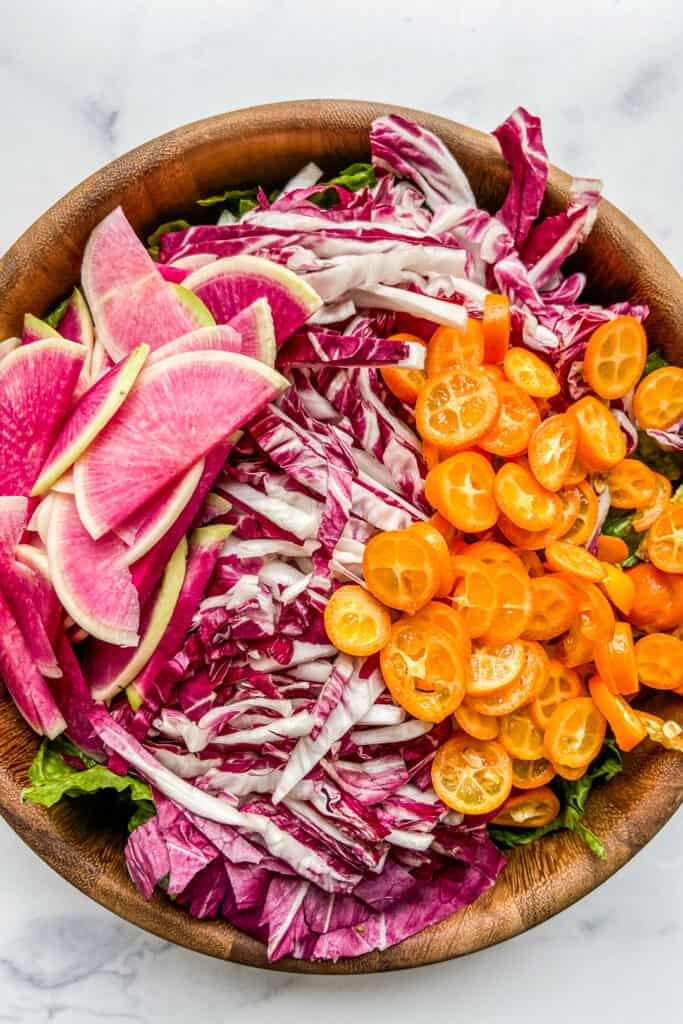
(472, 776)
(355, 621)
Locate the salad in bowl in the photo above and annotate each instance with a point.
(341, 537)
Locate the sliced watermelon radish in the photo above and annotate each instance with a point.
(37, 330)
(20, 589)
(129, 300)
(65, 484)
(13, 516)
(221, 338)
(229, 285)
(23, 680)
(76, 324)
(148, 570)
(90, 416)
(194, 306)
(74, 700)
(145, 527)
(39, 521)
(111, 669)
(8, 345)
(99, 362)
(37, 383)
(215, 505)
(205, 547)
(91, 578)
(254, 324)
(43, 594)
(177, 411)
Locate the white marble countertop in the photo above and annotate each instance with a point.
(84, 81)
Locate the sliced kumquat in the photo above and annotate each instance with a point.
(517, 419)
(481, 727)
(461, 489)
(566, 557)
(612, 549)
(529, 810)
(659, 659)
(623, 720)
(665, 540)
(492, 668)
(472, 776)
(571, 774)
(619, 587)
(490, 552)
(585, 520)
(671, 616)
(658, 401)
(521, 498)
(525, 540)
(443, 556)
(531, 562)
(430, 453)
(530, 373)
(424, 669)
(451, 346)
(596, 617)
(513, 610)
(355, 622)
(577, 648)
(521, 690)
(576, 474)
(651, 598)
(631, 484)
(616, 661)
(448, 618)
(474, 594)
(531, 774)
(615, 357)
(446, 529)
(563, 684)
(496, 327)
(405, 383)
(520, 735)
(601, 441)
(554, 606)
(401, 569)
(668, 734)
(575, 733)
(456, 407)
(649, 514)
(552, 450)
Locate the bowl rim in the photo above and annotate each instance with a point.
(540, 880)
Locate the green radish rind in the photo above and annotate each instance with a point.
(164, 605)
(114, 388)
(194, 306)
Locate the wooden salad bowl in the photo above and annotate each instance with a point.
(161, 180)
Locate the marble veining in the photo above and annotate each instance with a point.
(85, 81)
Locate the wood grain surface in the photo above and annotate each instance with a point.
(162, 180)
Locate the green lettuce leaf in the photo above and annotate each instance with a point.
(163, 229)
(53, 778)
(237, 200)
(55, 317)
(573, 797)
(655, 361)
(619, 523)
(669, 464)
(354, 177)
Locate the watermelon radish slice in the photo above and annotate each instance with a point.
(148, 570)
(36, 330)
(76, 324)
(37, 383)
(42, 592)
(129, 300)
(149, 524)
(221, 338)
(229, 285)
(254, 324)
(74, 699)
(194, 306)
(91, 415)
(9, 345)
(13, 515)
(99, 362)
(39, 521)
(110, 669)
(215, 505)
(92, 579)
(177, 411)
(21, 588)
(205, 547)
(65, 484)
(23, 680)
